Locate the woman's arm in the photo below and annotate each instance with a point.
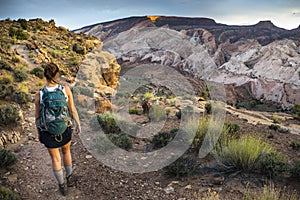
(72, 109)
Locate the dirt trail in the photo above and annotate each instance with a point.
(265, 118)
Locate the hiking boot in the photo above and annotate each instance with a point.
(63, 189)
(72, 180)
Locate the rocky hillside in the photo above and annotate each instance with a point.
(25, 48)
(258, 63)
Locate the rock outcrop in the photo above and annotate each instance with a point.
(248, 69)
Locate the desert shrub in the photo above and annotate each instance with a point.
(79, 49)
(113, 123)
(7, 194)
(161, 139)
(23, 23)
(276, 119)
(230, 132)
(6, 91)
(269, 192)
(198, 128)
(297, 109)
(274, 127)
(242, 154)
(148, 95)
(157, 113)
(121, 140)
(232, 128)
(21, 97)
(18, 33)
(172, 101)
(9, 114)
(5, 65)
(7, 158)
(208, 108)
(38, 71)
(295, 145)
(183, 166)
(272, 164)
(108, 123)
(20, 75)
(295, 170)
(133, 111)
(7, 79)
(15, 59)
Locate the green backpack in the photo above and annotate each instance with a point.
(54, 111)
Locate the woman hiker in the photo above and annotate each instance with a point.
(50, 135)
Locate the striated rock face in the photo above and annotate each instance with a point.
(257, 62)
(271, 71)
(248, 70)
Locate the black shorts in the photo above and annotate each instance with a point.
(51, 141)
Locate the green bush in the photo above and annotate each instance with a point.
(242, 154)
(157, 113)
(148, 95)
(21, 97)
(197, 128)
(20, 75)
(274, 127)
(7, 194)
(272, 164)
(133, 111)
(18, 33)
(230, 132)
(7, 79)
(15, 59)
(295, 145)
(161, 139)
(9, 114)
(112, 123)
(121, 140)
(79, 49)
(38, 71)
(297, 109)
(208, 108)
(183, 166)
(269, 192)
(5, 65)
(23, 23)
(6, 91)
(295, 170)
(276, 119)
(7, 158)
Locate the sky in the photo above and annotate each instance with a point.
(74, 14)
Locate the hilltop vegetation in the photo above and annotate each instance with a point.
(25, 48)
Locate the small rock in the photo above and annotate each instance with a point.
(169, 190)
(189, 187)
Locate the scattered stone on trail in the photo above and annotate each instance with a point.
(169, 190)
